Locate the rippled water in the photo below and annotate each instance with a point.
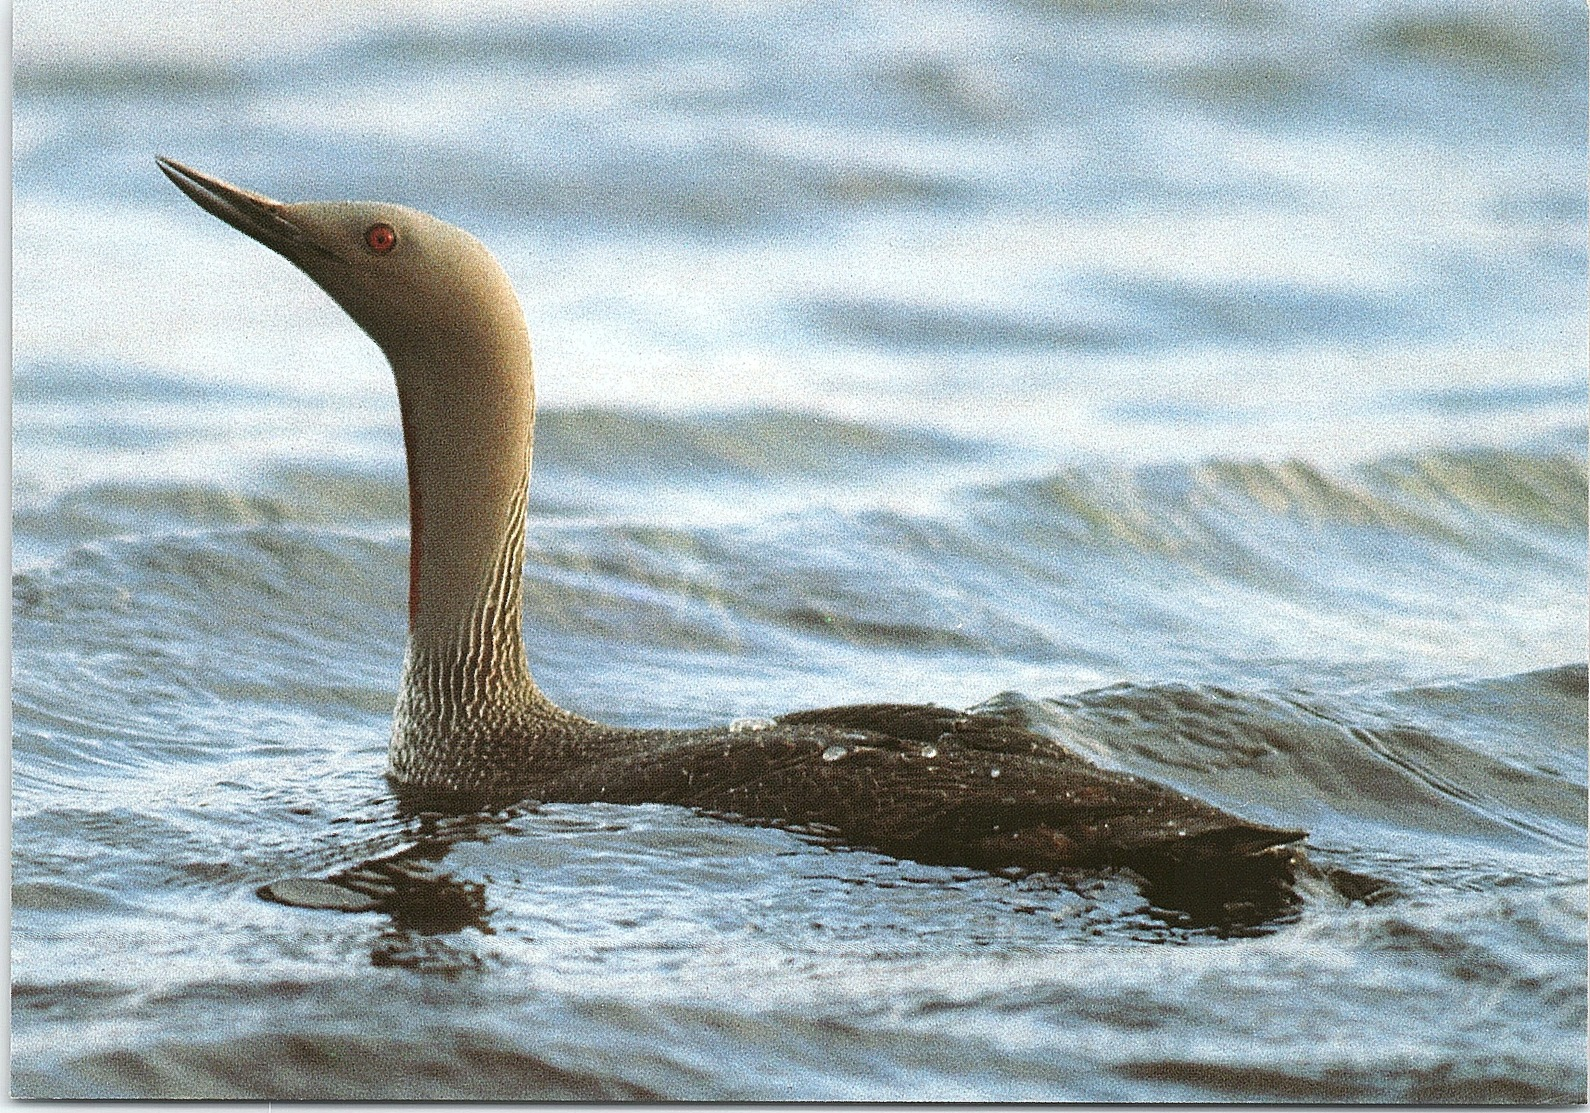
(1205, 384)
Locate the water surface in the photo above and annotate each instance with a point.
(1207, 386)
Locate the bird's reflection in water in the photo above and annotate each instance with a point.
(425, 902)
(1225, 898)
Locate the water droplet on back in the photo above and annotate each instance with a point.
(749, 722)
(834, 753)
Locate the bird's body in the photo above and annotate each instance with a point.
(913, 780)
(472, 729)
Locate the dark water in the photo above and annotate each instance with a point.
(1205, 383)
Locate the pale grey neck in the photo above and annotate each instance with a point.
(470, 613)
(468, 413)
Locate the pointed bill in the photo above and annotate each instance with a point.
(253, 214)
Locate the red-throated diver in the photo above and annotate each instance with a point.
(471, 728)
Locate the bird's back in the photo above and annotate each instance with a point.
(921, 782)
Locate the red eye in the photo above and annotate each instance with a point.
(381, 238)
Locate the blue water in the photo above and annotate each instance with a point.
(1204, 382)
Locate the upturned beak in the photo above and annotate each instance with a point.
(253, 214)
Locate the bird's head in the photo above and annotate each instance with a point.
(414, 283)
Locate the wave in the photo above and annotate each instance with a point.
(294, 1066)
(1046, 569)
(112, 386)
(135, 78)
(321, 496)
(145, 650)
(753, 445)
(913, 326)
(1351, 768)
(1435, 493)
(1531, 502)
(1518, 42)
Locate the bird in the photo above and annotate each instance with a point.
(471, 729)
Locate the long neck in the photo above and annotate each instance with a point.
(468, 413)
(469, 718)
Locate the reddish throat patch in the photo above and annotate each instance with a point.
(416, 516)
(415, 544)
